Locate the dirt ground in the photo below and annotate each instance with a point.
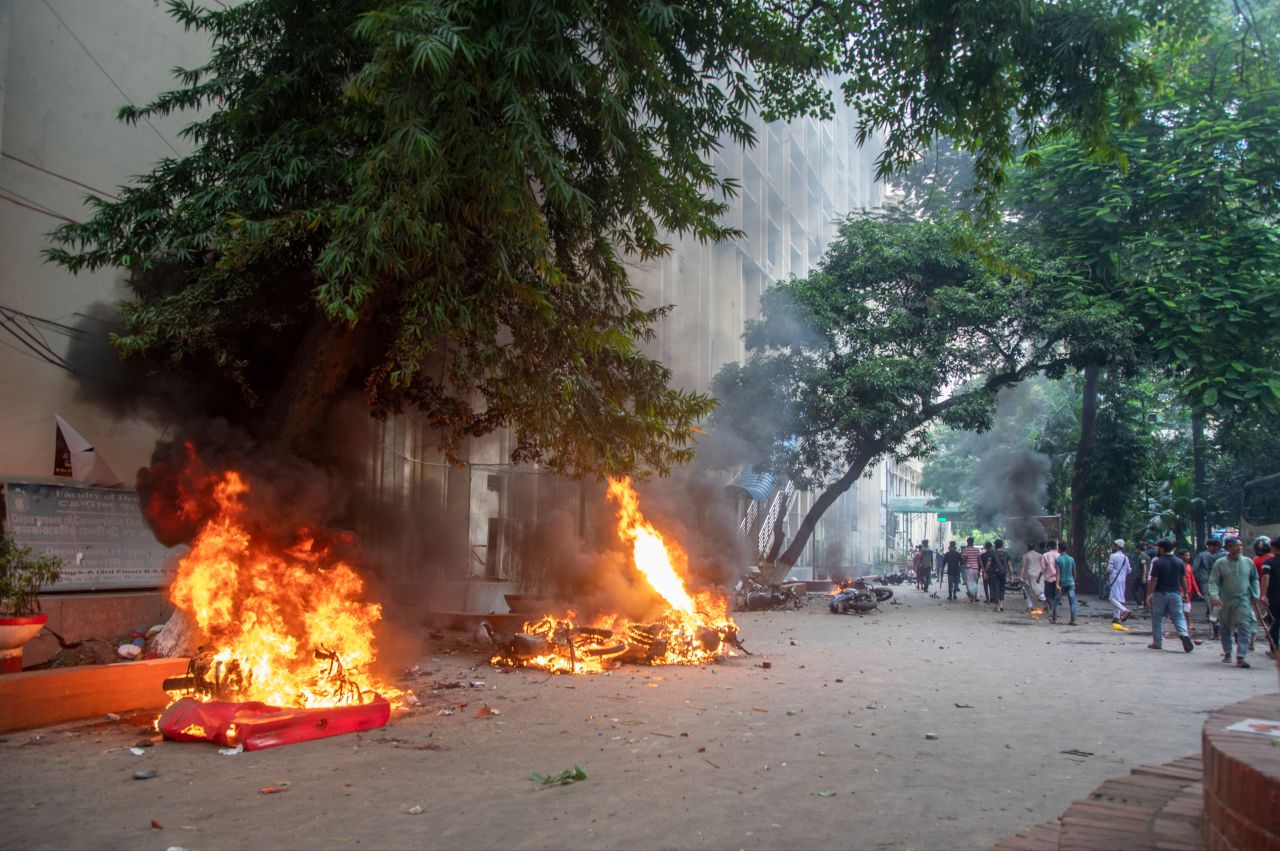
(829, 747)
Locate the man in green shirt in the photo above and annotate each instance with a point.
(1233, 586)
(1066, 586)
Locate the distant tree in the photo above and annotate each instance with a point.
(905, 323)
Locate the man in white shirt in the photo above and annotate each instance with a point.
(1032, 583)
(1118, 568)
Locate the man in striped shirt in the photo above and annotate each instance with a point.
(972, 568)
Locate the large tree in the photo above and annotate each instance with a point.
(1182, 228)
(906, 322)
(433, 200)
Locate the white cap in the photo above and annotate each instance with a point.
(1119, 542)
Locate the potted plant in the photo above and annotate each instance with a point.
(21, 578)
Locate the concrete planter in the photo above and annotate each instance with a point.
(15, 632)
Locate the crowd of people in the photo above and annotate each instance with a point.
(1157, 577)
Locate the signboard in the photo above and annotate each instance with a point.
(99, 533)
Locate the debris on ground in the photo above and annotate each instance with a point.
(146, 774)
(564, 778)
(931, 736)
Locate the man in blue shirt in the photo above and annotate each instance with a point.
(1166, 587)
(1066, 586)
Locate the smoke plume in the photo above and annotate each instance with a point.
(1011, 480)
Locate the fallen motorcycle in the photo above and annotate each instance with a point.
(852, 599)
(752, 595)
(859, 595)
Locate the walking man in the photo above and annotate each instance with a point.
(924, 566)
(1233, 586)
(1270, 593)
(1118, 578)
(1049, 571)
(953, 563)
(1141, 564)
(984, 562)
(1201, 567)
(1066, 585)
(998, 574)
(1032, 584)
(1165, 589)
(972, 566)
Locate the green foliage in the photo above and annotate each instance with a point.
(1247, 449)
(1182, 227)
(905, 323)
(974, 71)
(22, 577)
(461, 177)
(462, 181)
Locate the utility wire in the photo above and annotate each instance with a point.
(37, 209)
(42, 352)
(43, 207)
(53, 324)
(32, 339)
(71, 180)
(27, 329)
(108, 76)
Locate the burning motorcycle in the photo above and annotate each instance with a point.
(858, 596)
(561, 646)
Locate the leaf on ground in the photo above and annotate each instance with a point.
(564, 778)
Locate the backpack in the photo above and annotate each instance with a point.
(999, 563)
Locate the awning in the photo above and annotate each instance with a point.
(759, 486)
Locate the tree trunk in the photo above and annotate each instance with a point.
(1079, 520)
(320, 369)
(1198, 480)
(820, 506)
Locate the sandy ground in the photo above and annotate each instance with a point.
(827, 748)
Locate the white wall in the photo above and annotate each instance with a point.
(65, 69)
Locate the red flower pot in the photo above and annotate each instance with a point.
(15, 632)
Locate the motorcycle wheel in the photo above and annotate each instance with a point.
(861, 604)
(883, 594)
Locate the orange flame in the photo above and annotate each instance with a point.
(649, 551)
(693, 629)
(284, 616)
